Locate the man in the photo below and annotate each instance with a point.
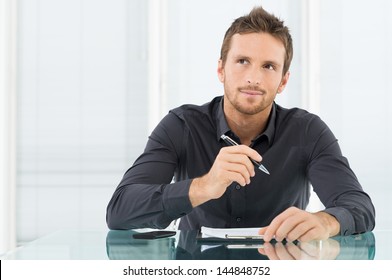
(216, 184)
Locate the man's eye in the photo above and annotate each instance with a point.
(242, 61)
(269, 67)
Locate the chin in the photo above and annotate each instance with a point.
(249, 110)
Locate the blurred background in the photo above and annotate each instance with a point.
(83, 83)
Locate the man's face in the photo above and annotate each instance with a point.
(253, 73)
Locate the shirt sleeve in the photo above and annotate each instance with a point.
(146, 196)
(335, 183)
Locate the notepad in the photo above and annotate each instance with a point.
(228, 233)
(233, 236)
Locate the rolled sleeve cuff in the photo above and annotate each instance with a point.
(345, 219)
(176, 199)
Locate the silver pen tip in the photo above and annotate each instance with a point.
(262, 168)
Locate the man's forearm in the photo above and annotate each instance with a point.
(148, 205)
(197, 195)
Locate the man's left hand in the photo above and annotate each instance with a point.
(296, 224)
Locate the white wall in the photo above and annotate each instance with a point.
(82, 109)
(7, 123)
(356, 91)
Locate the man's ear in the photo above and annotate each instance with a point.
(221, 71)
(284, 81)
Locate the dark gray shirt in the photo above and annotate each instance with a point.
(297, 148)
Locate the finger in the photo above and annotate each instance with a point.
(242, 170)
(294, 225)
(253, 154)
(246, 150)
(237, 177)
(262, 230)
(271, 230)
(313, 234)
(309, 230)
(242, 160)
(269, 233)
(303, 228)
(237, 158)
(237, 172)
(224, 170)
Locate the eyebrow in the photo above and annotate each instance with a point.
(272, 62)
(241, 57)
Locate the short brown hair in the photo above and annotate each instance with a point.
(259, 20)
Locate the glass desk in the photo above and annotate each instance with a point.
(120, 245)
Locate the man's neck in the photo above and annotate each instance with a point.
(248, 127)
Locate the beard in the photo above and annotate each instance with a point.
(248, 106)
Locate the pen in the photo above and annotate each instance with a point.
(244, 236)
(231, 142)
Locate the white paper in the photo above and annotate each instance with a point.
(224, 232)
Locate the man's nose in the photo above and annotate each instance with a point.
(254, 77)
(250, 81)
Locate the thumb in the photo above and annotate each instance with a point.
(262, 230)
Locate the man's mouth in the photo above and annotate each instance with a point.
(252, 91)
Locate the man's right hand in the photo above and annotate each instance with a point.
(232, 164)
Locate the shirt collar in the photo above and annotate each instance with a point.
(223, 127)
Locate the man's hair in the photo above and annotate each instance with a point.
(258, 21)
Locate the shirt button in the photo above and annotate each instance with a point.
(238, 219)
(237, 187)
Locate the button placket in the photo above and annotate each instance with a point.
(238, 202)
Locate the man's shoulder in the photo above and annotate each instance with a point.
(194, 110)
(295, 115)
(299, 121)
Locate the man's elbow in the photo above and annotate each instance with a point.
(365, 220)
(115, 221)
(372, 219)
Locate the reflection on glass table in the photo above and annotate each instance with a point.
(121, 245)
